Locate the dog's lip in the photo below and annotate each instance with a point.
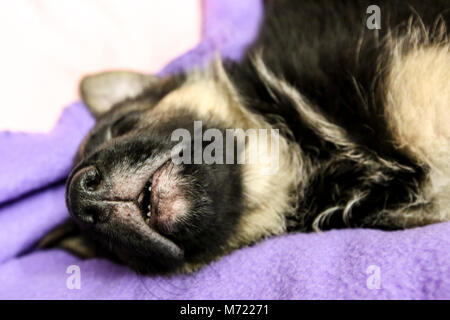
(146, 201)
(163, 246)
(155, 196)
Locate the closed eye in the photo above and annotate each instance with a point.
(123, 124)
(119, 127)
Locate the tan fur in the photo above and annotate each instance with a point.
(418, 95)
(269, 197)
(418, 113)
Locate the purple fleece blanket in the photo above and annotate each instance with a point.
(346, 264)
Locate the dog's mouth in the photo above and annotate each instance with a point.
(144, 201)
(149, 220)
(160, 201)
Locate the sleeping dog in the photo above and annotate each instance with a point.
(359, 117)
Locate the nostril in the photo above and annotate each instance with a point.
(86, 196)
(91, 180)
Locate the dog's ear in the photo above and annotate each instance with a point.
(103, 90)
(67, 236)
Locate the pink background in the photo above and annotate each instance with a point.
(47, 45)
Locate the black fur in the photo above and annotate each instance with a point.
(322, 49)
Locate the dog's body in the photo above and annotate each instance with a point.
(363, 136)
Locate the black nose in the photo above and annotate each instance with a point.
(85, 195)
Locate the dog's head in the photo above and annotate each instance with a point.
(129, 191)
